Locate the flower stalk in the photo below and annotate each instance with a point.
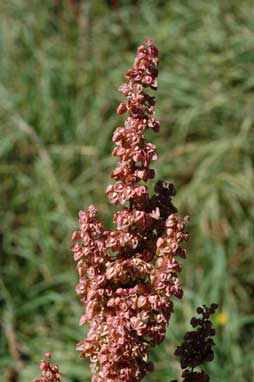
(197, 346)
(129, 275)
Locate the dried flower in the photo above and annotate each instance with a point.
(128, 275)
(196, 348)
(48, 373)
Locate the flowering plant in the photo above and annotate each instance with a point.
(128, 275)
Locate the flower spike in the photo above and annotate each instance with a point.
(129, 275)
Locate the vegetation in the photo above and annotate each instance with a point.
(59, 74)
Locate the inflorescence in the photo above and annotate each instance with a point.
(49, 373)
(196, 348)
(128, 275)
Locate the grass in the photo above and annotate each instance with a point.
(59, 76)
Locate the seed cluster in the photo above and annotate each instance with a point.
(196, 348)
(49, 373)
(128, 275)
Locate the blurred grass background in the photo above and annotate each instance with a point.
(60, 66)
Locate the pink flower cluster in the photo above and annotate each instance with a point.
(134, 152)
(48, 373)
(128, 275)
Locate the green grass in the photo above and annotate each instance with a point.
(58, 94)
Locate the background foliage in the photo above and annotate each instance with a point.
(59, 74)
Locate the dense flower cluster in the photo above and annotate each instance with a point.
(128, 275)
(134, 152)
(48, 373)
(196, 348)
